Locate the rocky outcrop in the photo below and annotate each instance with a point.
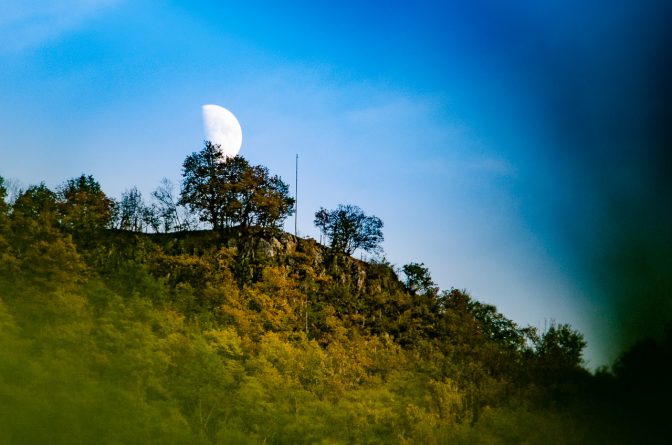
(257, 248)
(360, 276)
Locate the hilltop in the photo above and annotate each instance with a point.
(246, 334)
(238, 336)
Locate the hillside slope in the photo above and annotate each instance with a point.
(256, 336)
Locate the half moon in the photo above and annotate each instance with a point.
(222, 128)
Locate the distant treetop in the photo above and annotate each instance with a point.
(347, 228)
(227, 192)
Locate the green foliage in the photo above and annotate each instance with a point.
(37, 204)
(418, 279)
(264, 199)
(561, 347)
(3, 198)
(207, 184)
(84, 206)
(347, 228)
(4, 216)
(229, 191)
(122, 337)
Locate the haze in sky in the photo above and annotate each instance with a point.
(519, 149)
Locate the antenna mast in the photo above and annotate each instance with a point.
(296, 195)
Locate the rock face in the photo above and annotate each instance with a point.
(256, 248)
(361, 277)
(267, 249)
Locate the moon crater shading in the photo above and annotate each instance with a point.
(222, 128)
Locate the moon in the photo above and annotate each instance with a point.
(223, 129)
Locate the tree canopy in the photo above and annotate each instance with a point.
(418, 279)
(133, 214)
(347, 229)
(227, 192)
(84, 205)
(244, 336)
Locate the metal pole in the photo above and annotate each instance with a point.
(296, 196)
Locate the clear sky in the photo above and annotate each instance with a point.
(499, 141)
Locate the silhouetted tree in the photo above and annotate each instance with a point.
(4, 210)
(349, 229)
(84, 206)
(205, 185)
(560, 347)
(264, 199)
(171, 215)
(419, 280)
(34, 217)
(229, 191)
(322, 221)
(14, 189)
(498, 328)
(37, 203)
(134, 215)
(555, 359)
(3, 196)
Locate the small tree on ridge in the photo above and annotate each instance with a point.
(347, 228)
(229, 191)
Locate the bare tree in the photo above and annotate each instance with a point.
(172, 215)
(134, 215)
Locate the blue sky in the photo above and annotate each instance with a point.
(473, 129)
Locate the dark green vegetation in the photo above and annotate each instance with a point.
(228, 192)
(347, 229)
(249, 335)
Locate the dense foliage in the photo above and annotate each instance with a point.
(418, 279)
(228, 192)
(347, 229)
(250, 335)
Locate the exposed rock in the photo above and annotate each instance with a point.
(256, 248)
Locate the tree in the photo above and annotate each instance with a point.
(13, 189)
(134, 215)
(560, 347)
(4, 214)
(322, 221)
(37, 204)
(229, 191)
(170, 213)
(205, 184)
(84, 206)
(419, 280)
(37, 244)
(264, 199)
(34, 219)
(347, 228)
(3, 203)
